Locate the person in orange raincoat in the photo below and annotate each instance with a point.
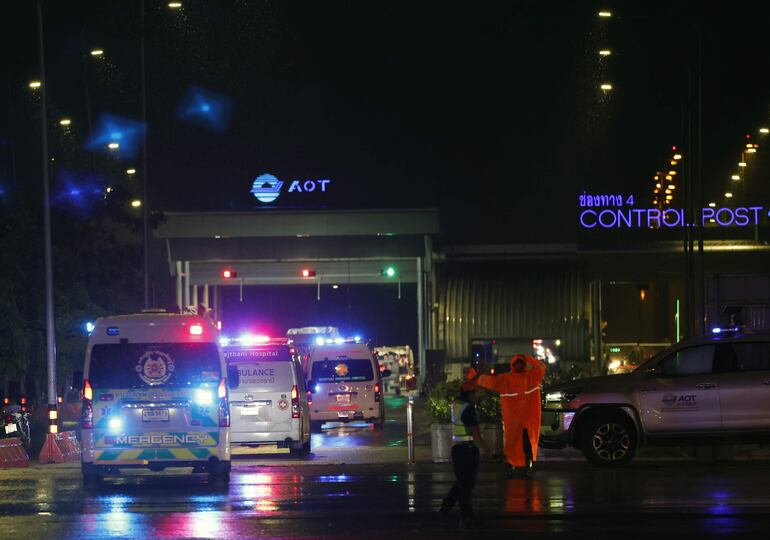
(520, 403)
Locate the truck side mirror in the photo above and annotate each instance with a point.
(233, 377)
(77, 380)
(654, 371)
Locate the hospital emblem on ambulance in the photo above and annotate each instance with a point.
(155, 367)
(341, 370)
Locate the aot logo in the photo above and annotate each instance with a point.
(669, 399)
(267, 188)
(155, 367)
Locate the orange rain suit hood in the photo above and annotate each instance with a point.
(520, 404)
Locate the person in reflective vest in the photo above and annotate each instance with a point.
(520, 403)
(466, 440)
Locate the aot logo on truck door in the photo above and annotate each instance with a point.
(682, 402)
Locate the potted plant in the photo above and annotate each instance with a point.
(490, 421)
(439, 405)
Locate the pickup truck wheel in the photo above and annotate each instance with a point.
(608, 441)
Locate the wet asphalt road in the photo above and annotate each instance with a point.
(339, 492)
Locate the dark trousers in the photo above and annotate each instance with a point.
(465, 458)
(527, 446)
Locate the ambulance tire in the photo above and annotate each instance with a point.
(302, 450)
(219, 474)
(92, 476)
(608, 440)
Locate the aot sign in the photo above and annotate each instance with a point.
(618, 212)
(266, 188)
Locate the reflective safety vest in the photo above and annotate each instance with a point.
(460, 432)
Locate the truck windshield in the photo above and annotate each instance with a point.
(138, 365)
(342, 369)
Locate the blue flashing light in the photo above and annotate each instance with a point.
(339, 341)
(716, 330)
(113, 331)
(357, 339)
(224, 341)
(115, 424)
(317, 388)
(203, 397)
(319, 340)
(90, 327)
(206, 109)
(111, 128)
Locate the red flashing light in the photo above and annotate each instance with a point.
(222, 389)
(88, 392)
(87, 417)
(307, 272)
(6, 401)
(748, 136)
(377, 393)
(229, 274)
(196, 330)
(673, 148)
(294, 402)
(23, 400)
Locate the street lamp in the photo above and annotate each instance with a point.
(136, 203)
(97, 52)
(35, 84)
(65, 122)
(605, 14)
(605, 52)
(735, 177)
(764, 130)
(130, 172)
(728, 195)
(175, 5)
(113, 146)
(606, 87)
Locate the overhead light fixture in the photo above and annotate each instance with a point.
(97, 52)
(605, 14)
(728, 195)
(606, 87)
(735, 177)
(35, 84)
(65, 122)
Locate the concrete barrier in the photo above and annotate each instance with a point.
(60, 447)
(12, 453)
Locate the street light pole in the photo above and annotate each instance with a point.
(145, 205)
(49, 315)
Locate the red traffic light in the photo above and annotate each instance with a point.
(307, 272)
(229, 274)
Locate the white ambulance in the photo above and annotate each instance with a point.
(155, 395)
(345, 383)
(269, 407)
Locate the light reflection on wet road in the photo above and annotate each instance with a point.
(279, 501)
(356, 485)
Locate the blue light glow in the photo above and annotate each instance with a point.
(90, 327)
(111, 128)
(115, 424)
(319, 340)
(206, 109)
(78, 193)
(203, 397)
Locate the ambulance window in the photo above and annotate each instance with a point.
(344, 369)
(137, 365)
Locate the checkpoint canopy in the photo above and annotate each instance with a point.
(270, 247)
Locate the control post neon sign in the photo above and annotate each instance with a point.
(618, 212)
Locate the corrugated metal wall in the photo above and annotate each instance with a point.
(511, 299)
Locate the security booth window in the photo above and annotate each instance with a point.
(150, 365)
(692, 361)
(342, 370)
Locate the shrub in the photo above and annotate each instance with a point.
(440, 402)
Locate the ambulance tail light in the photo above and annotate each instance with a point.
(196, 330)
(377, 393)
(294, 402)
(87, 414)
(224, 409)
(309, 397)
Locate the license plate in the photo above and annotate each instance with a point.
(343, 398)
(153, 415)
(10, 428)
(250, 411)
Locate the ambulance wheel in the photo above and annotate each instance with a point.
(608, 440)
(92, 476)
(219, 474)
(301, 451)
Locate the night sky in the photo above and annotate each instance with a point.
(488, 110)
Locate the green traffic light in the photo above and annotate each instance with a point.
(389, 271)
